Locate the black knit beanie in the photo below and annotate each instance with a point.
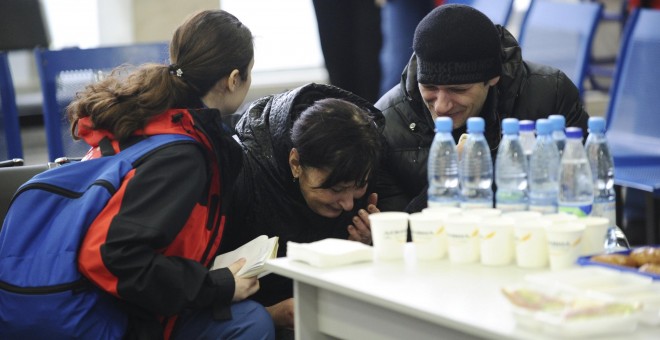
(456, 44)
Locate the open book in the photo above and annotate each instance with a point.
(255, 252)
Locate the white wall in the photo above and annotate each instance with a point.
(72, 22)
(287, 47)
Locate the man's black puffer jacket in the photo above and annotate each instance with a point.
(525, 91)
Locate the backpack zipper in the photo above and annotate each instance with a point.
(75, 286)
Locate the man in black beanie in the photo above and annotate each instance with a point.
(463, 66)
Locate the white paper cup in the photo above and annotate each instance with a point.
(560, 217)
(496, 241)
(564, 244)
(463, 238)
(428, 235)
(531, 246)
(389, 231)
(595, 232)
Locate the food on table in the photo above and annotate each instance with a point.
(644, 255)
(650, 268)
(616, 259)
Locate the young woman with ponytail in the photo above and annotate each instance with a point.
(151, 245)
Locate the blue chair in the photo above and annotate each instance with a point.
(559, 34)
(601, 68)
(633, 117)
(10, 132)
(499, 11)
(67, 71)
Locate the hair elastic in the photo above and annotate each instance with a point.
(176, 70)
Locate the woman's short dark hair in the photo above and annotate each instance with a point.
(339, 137)
(206, 47)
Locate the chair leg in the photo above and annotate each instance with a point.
(652, 206)
(619, 205)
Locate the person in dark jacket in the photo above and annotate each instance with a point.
(152, 244)
(309, 159)
(462, 66)
(350, 38)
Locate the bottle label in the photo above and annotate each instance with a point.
(577, 210)
(544, 209)
(433, 204)
(476, 205)
(508, 207)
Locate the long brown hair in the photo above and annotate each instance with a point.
(208, 46)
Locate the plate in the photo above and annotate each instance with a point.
(603, 281)
(587, 261)
(569, 314)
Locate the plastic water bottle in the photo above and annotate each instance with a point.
(527, 137)
(576, 189)
(476, 168)
(443, 166)
(558, 133)
(511, 170)
(602, 169)
(544, 170)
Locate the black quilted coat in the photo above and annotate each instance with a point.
(266, 200)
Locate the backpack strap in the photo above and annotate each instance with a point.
(141, 148)
(105, 145)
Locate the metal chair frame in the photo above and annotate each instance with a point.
(575, 29)
(633, 116)
(10, 131)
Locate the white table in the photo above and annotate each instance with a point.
(409, 300)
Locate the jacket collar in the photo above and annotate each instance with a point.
(513, 71)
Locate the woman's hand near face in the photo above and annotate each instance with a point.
(245, 286)
(360, 230)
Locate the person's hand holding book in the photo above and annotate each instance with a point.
(245, 286)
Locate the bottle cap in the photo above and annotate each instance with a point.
(596, 124)
(510, 126)
(443, 124)
(543, 126)
(573, 132)
(558, 122)
(526, 125)
(475, 124)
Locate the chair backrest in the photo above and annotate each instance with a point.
(633, 116)
(10, 133)
(11, 178)
(499, 11)
(560, 34)
(67, 71)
